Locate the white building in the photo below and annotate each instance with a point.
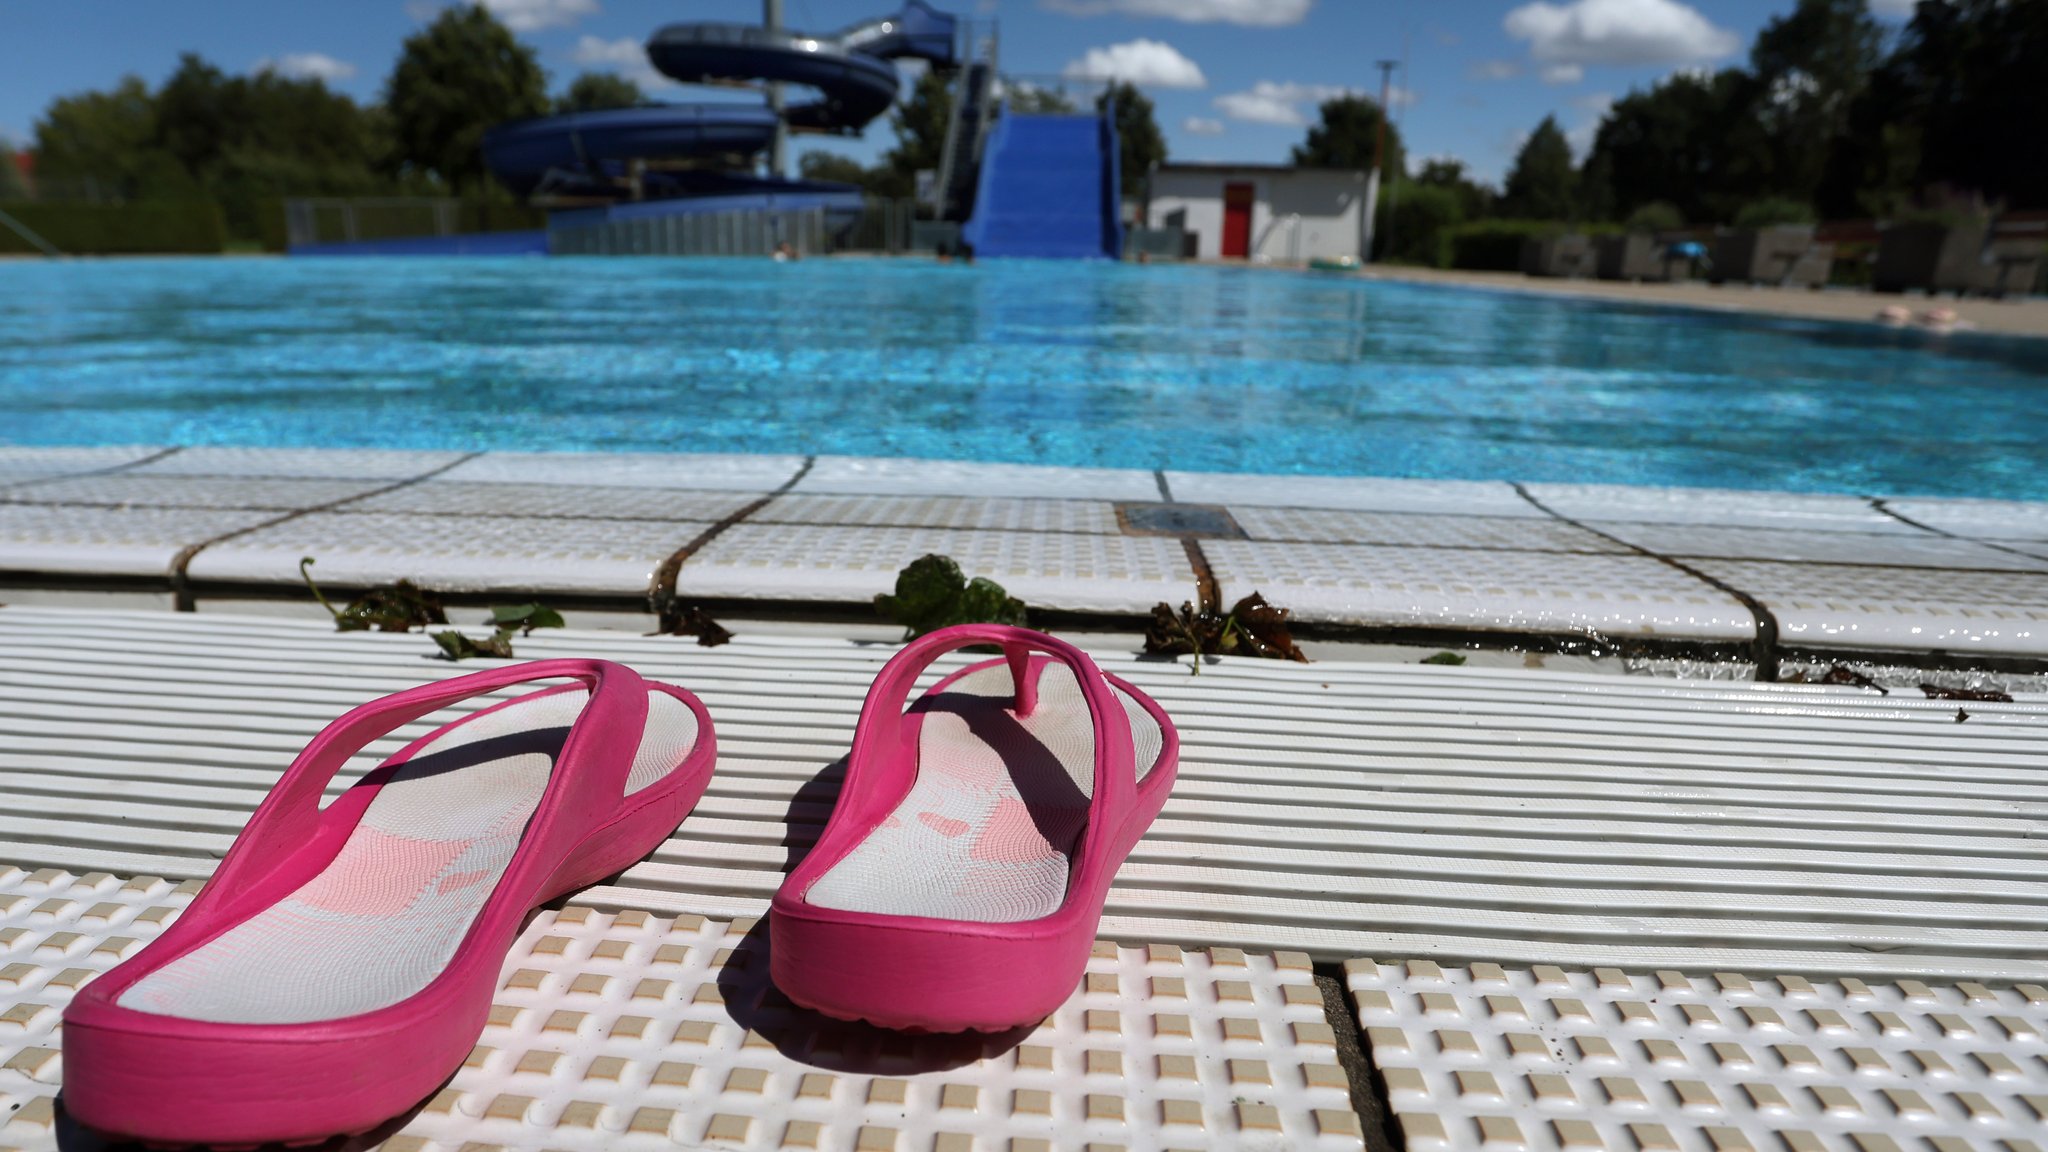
(1261, 211)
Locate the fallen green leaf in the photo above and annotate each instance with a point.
(932, 593)
(398, 607)
(456, 646)
(1449, 659)
(525, 617)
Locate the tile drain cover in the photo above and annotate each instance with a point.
(1209, 520)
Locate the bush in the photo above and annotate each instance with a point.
(1494, 245)
(1656, 216)
(1414, 224)
(114, 229)
(1772, 211)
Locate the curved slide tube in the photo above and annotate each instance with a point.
(850, 71)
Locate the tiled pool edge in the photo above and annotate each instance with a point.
(1452, 563)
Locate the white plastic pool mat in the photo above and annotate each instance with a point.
(1541, 1058)
(1337, 809)
(1357, 551)
(643, 1031)
(1057, 570)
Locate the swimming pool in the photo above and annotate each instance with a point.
(1198, 368)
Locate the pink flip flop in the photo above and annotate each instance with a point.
(960, 880)
(341, 962)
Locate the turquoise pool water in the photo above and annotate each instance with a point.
(1198, 368)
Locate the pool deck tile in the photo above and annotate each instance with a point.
(23, 464)
(1814, 512)
(1337, 526)
(1883, 549)
(1979, 519)
(1389, 586)
(704, 471)
(439, 497)
(75, 541)
(1061, 571)
(1358, 493)
(1840, 606)
(466, 554)
(989, 513)
(1619, 1059)
(303, 463)
(126, 490)
(866, 476)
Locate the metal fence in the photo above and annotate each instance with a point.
(335, 219)
(880, 226)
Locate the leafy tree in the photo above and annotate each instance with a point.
(1414, 224)
(833, 167)
(1809, 66)
(1656, 216)
(102, 142)
(1140, 146)
(1542, 184)
(1346, 135)
(1475, 200)
(920, 123)
(454, 79)
(11, 187)
(597, 90)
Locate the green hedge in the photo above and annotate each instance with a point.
(394, 221)
(1495, 245)
(115, 229)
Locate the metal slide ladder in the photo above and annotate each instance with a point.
(966, 128)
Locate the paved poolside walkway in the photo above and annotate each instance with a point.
(2016, 317)
(1754, 576)
(1565, 912)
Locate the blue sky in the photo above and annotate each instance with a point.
(1233, 79)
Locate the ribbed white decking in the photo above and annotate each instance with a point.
(1338, 809)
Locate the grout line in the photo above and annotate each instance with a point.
(661, 590)
(181, 586)
(1883, 505)
(1354, 1055)
(1764, 648)
(1159, 478)
(109, 470)
(1206, 588)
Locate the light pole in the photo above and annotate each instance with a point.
(778, 152)
(1379, 158)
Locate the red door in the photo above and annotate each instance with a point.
(1237, 220)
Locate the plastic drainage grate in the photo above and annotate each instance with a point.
(1211, 521)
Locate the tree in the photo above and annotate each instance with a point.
(11, 187)
(1542, 184)
(1475, 200)
(1809, 67)
(1140, 146)
(920, 123)
(834, 168)
(593, 91)
(1346, 135)
(101, 144)
(456, 78)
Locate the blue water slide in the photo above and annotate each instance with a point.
(850, 71)
(1049, 188)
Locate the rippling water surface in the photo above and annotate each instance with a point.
(1213, 369)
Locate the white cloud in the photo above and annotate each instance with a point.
(1148, 63)
(1260, 13)
(1399, 97)
(307, 66)
(1564, 38)
(1493, 70)
(626, 56)
(1202, 126)
(1893, 9)
(533, 15)
(1270, 102)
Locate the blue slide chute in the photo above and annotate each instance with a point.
(1049, 188)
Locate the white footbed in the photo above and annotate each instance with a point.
(386, 915)
(988, 829)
